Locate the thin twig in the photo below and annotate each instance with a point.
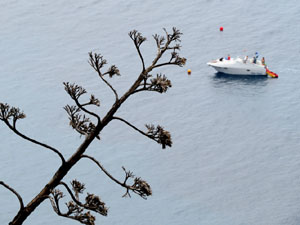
(138, 39)
(143, 89)
(111, 87)
(34, 141)
(87, 111)
(165, 64)
(104, 170)
(141, 56)
(15, 192)
(128, 187)
(71, 194)
(129, 124)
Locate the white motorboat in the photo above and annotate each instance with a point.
(239, 66)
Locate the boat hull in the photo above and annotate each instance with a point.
(238, 67)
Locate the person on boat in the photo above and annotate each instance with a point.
(228, 57)
(245, 59)
(263, 61)
(255, 57)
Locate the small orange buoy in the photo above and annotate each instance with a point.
(221, 28)
(189, 72)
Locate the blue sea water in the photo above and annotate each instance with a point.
(235, 158)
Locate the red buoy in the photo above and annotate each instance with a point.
(221, 28)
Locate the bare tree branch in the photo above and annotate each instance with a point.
(159, 84)
(93, 101)
(174, 37)
(160, 40)
(75, 198)
(160, 135)
(15, 192)
(76, 207)
(103, 169)
(144, 75)
(75, 92)
(138, 39)
(80, 123)
(97, 62)
(113, 70)
(92, 202)
(178, 61)
(74, 212)
(167, 43)
(132, 126)
(7, 112)
(140, 187)
(157, 134)
(57, 195)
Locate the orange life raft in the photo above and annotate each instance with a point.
(271, 74)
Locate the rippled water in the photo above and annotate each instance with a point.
(235, 158)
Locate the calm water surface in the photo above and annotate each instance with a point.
(236, 157)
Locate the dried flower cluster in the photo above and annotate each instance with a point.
(77, 213)
(94, 203)
(160, 135)
(77, 187)
(7, 112)
(163, 42)
(140, 187)
(80, 123)
(160, 41)
(97, 62)
(160, 84)
(75, 91)
(176, 59)
(136, 37)
(76, 209)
